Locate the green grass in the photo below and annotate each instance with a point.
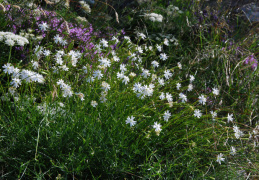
(46, 134)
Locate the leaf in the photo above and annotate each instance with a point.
(71, 46)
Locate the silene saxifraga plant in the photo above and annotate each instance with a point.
(91, 105)
(123, 85)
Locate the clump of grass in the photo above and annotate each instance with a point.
(85, 105)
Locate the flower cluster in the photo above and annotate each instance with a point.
(85, 6)
(251, 60)
(11, 38)
(18, 75)
(154, 17)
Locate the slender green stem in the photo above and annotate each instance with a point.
(10, 54)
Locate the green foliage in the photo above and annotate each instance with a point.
(46, 134)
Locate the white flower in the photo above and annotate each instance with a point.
(178, 85)
(179, 65)
(58, 39)
(191, 78)
(12, 90)
(103, 97)
(125, 79)
(230, 117)
(104, 43)
(120, 75)
(60, 53)
(63, 42)
(8, 68)
(127, 38)
(46, 52)
(37, 78)
(155, 64)
(16, 82)
(215, 91)
(143, 36)
(202, 99)
(16, 73)
(59, 60)
(190, 87)
(163, 56)
(167, 115)
(166, 42)
(220, 158)
(213, 114)
(159, 48)
(105, 86)
(94, 103)
(169, 97)
(123, 68)
(145, 73)
(116, 58)
(10, 39)
(197, 113)
(98, 48)
(139, 49)
(238, 133)
(154, 17)
(233, 150)
(137, 87)
(44, 26)
(35, 64)
(115, 39)
(90, 79)
(130, 120)
(162, 96)
(64, 67)
(85, 69)
(132, 74)
(97, 74)
(20, 42)
(183, 97)
(80, 95)
(157, 127)
(167, 74)
(161, 81)
(153, 77)
(105, 62)
(61, 83)
(85, 6)
(9, 42)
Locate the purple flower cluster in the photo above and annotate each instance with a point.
(250, 60)
(78, 33)
(82, 36)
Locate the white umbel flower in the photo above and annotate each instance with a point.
(154, 17)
